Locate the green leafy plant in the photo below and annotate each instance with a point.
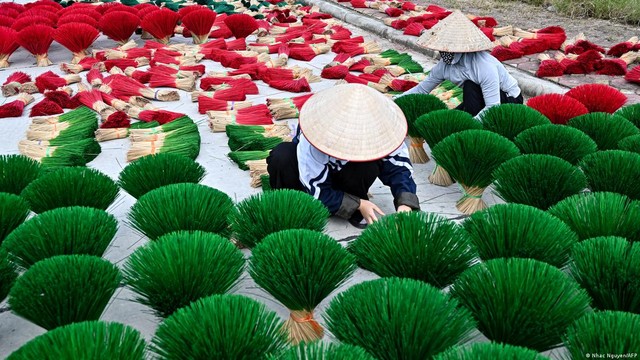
(609, 269)
(321, 351)
(509, 120)
(181, 207)
(537, 180)
(489, 351)
(562, 141)
(521, 302)
(16, 172)
(94, 340)
(181, 267)
(383, 317)
(64, 289)
(600, 214)
(605, 129)
(13, 211)
(230, 327)
(300, 268)
(73, 186)
(262, 214)
(520, 231)
(606, 332)
(417, 245)
(154, 171)
(614, 171)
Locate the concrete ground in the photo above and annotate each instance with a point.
(221, 174)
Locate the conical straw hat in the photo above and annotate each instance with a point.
(457, 34)
(353, 122)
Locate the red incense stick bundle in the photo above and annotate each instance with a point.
(27, 21)
(208, 103)
(76, 37)
(45, 107)
(86, 64)
(160, 79)
(254, 115)
(36, 39)
(416, 29)
(294, 86)
(52, 81)
(160, 24)
(16, 107)
(397, 84)
(161, 116)
(94, 77)
(549, 67)
(306, 52)
(62, 97)
(119, 25)
(123, 86)
(12, 85)
(125, 63)
(557, 107)
(199, 24)
(135, 53)
(352, 79)
(633, 75)
(618, 50)
(360, 65)
(78, 19)
(241, 25)
(234, 93)
(236, 45)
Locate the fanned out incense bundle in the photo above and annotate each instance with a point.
(231, 326)
(557, 107)
(607, 267)
(433, 127)
(630, 143)
(391, 324)
(77, 37)
(614, 171)
(598, 97)
(509, 120)
(516, 230)
(437, 252)
(605, 129)
(8, 274)
(600, 214)
(91, 188)
(565, 142)
(8, 45)
(63, 231)
(606, 332)
(182, 267)
(160, 24)
(532, 313)
(489, 351)
(13, 211)
(263, 214)
(16, 172)
(83, 341)
(300, 268)
(470, 157)
(631, 113)
(36, 39)
(64, 289)
(199, 24)
(538, 180)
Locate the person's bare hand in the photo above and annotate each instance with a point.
(403, 208)
(369, 210)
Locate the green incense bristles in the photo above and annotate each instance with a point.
(266, 183)
(154, 171)
(489, 351)
(181, 207)
(64, 289)
(471, 157)
(13, 211)
(383, 317)
(230, 327)
(300, 268)
(182, 267)
(389, 53)
(630, 143)
(8, 274)
(537, 180)
(521, 231)
(609, 332)
(252, 142)
(521, 302)
(262, 214)
(62, 231)
(85, 340)
(241, 157)
(605, 129)
(609, 269)
(74, 186)
(631, 113)
(562, 141)
(600, 214)
(81, 114)
(16, 172)
(323, 351)
(509, 120)
(410, 66)
(416, 245)
(415, 105)
(614, 171)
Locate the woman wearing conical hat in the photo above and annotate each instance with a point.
(466, 61)
(348, 136)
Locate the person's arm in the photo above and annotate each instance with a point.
(313, 166)
(397, 173)
(434, 79)
(490, 85)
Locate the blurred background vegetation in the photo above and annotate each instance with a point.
(619, 10)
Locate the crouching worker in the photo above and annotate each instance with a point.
(347, 136)
(466, 61)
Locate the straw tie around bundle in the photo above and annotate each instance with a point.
(437, 253)
(390, 327)
(91, 188)
(613, 171)
(607, 267)
(8, 274)
(83, 341)
(489, 351)
(13, 211)
(300, 268)
(63, 231)
(64, 289)
(509, 120)
(414, 106)
(183, 206)
(522, 231)
(437, 125)
(606, 332)
(470, 157)
(600, 214)
(532, 313)
(16, 172)
(263, 214)
(182, 267)
(233, 327)
(319, 350)
(605, 129)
